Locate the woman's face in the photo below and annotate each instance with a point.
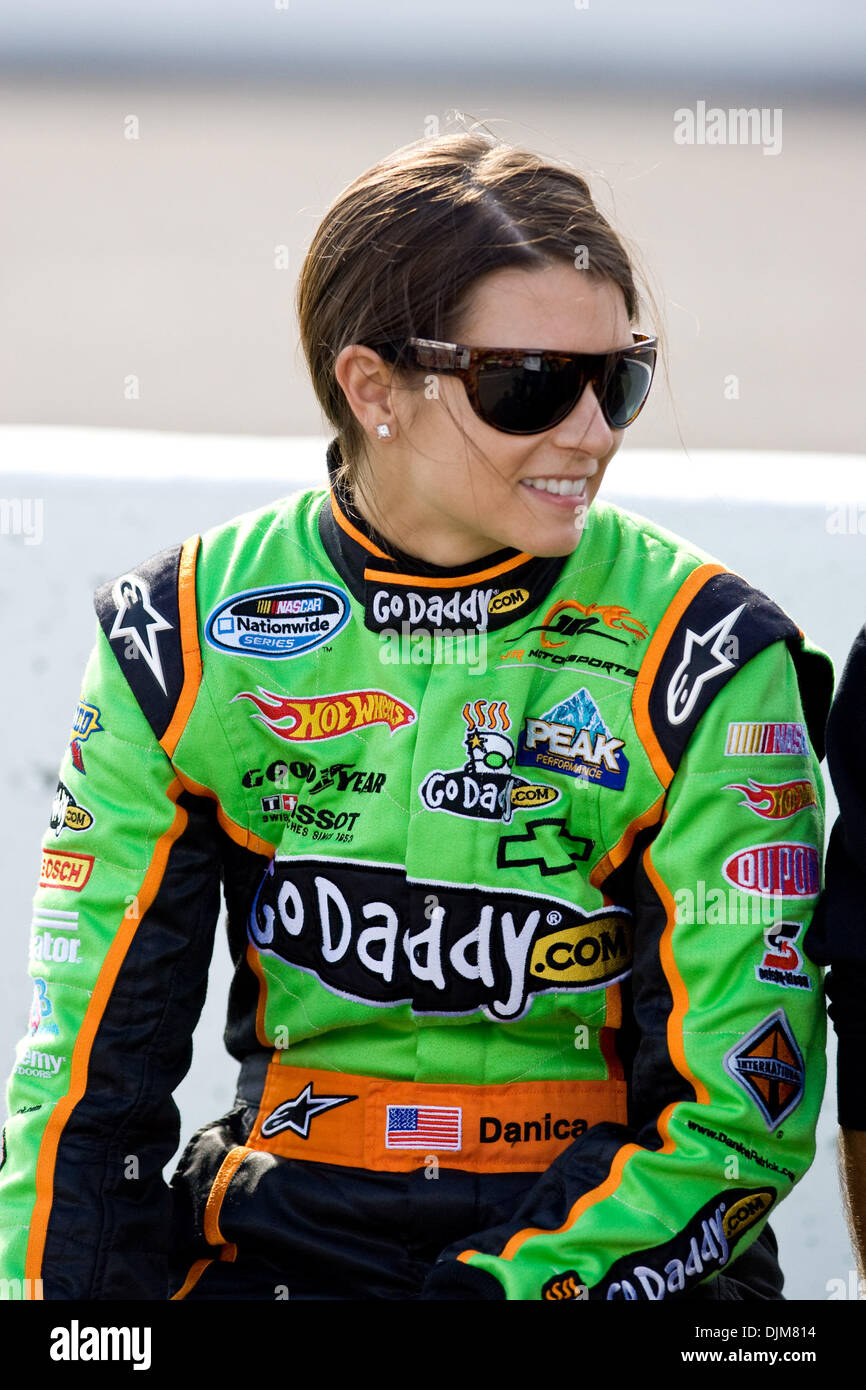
(441, 499)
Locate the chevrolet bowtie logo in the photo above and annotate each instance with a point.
(297, 1114)
(564, 851)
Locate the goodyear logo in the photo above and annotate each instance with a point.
(598, 951)
(745, 1213)
(508, 601)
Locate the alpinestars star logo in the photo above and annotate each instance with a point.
(137, 619)
(696, 667)
(299, 1113)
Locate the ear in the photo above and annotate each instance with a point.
(365, 380)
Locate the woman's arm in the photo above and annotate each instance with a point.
(123, 926)
(729, 1068)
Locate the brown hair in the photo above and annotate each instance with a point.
(398, 251)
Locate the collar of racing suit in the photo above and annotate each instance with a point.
(403, 593)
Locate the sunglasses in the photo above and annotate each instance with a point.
(529, 390)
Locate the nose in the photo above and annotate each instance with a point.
(585, 428)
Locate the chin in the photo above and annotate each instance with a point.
(547, 542)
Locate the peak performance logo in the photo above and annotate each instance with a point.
(369, 933)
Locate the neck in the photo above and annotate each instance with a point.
(445, 545)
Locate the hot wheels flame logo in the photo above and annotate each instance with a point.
(327, 716)
(776, 800)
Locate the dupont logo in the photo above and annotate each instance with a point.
(778, 870)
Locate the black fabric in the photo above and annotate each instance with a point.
(726, 623)
(139, 614)
(319, 1230)
(837, 933)
(141, 1052)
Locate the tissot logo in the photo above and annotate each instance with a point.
(368, 932)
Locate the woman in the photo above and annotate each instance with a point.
(500, 781)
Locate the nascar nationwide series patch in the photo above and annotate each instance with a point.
(278, 622)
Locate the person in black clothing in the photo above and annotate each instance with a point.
(837, 933)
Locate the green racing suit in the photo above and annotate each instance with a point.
(517, 859)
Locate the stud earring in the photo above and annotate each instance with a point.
(383, 431)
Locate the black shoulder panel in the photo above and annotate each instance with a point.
(140, 615)
(724, 626)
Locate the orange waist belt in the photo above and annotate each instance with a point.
(395, 1126)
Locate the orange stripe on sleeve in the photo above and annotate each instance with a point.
(189, 645)
(676, 1020)
(588, 1199)
(653, 659)
(84, 1042)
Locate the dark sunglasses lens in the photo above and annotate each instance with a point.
(627, 389)
(529, 399)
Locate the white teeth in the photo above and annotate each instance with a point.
(564, 487)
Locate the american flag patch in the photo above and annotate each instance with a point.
(423, 1127)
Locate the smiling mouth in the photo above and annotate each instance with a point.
(557, 487)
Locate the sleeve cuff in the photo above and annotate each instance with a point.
(452, 1279)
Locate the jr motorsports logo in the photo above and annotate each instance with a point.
(567, 618)
(278, 622)
(572, 738)
(369, 933)
(485, 787)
